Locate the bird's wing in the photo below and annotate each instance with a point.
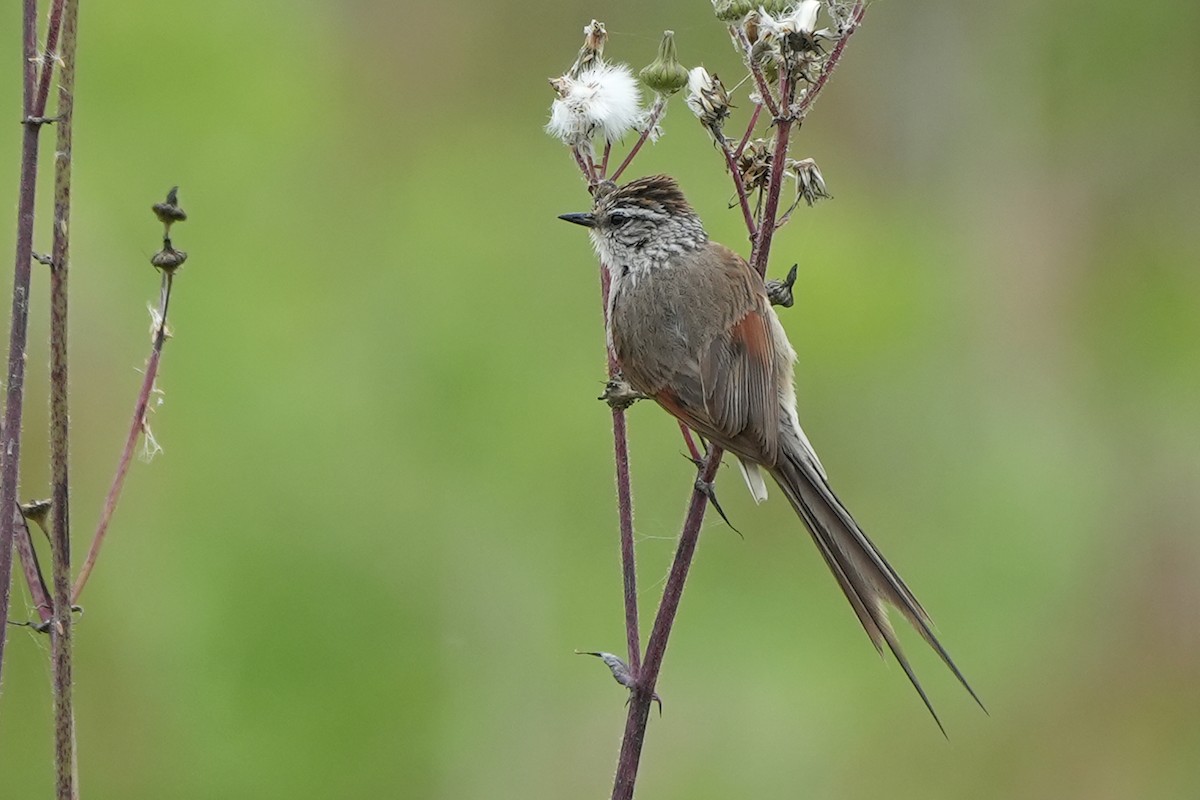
(736, 401)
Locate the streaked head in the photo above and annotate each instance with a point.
(645, 221)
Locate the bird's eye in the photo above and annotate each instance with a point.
(617, 219)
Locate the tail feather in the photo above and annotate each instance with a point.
(866, 578)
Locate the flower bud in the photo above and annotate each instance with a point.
(665, 74)
(168, 259)
(731, 11)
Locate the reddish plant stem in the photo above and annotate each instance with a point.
(656, 647)
(136, 427)
(10, 442)
(49, 55)
(655, 113)
(604, 161)
(760, 80)
(741, 148)
(688, 439)
(624, 502)
(65, 761)
(584, 165)
(739, 187)
(766, 228)
(38, 593)
(835, 55)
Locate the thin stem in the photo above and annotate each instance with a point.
(66, 762)
(10, 442)
(656, 647)
(655, 112)
(760, 80)
(741, 148)
(38, 593)
(739, 186)
(835, 55)
(783, 129)
(584, 165)
(624, 502)
(49, 56)
(136, 427)
(604, 160)
(690, 441)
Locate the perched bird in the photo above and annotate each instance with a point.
(690, 326)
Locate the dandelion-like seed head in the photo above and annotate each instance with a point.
(603, 100)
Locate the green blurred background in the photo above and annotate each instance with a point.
(384, 516)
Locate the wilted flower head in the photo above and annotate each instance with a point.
(603, 99)
(810, 184)
(592, 52)
(707, 98)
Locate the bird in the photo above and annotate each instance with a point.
(689, 325)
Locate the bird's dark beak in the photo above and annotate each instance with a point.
(586, 220)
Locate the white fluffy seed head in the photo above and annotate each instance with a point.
(603, 100)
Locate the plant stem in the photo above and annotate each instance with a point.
(135, 431)
(624, 503)
(760, 80)
(38, 593)
(835, 55)
(741, 148)
(740, 187)
(49, 56)
(656, 111)
(783, 129)
(66, 763)
(10, 442)
(656, 647)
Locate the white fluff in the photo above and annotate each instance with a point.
(603, 100)
(803, 19)
(699, 83)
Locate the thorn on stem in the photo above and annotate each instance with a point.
(621, 674)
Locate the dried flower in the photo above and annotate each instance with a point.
(810, 184)
(755, 164)
(592, 52)
(707, 99)
(168, 259)
(169, 211)
(665, 74)
(604, 99)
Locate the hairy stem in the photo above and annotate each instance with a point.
(49, 57)
(656, 111)
(741, 148)
(10, 446)
(624, 503)
(38, 593)
(136, 427)
(66, 763)
(656, 647)
(783, 130)
(760, 80)
(739, 187)
(835, 55)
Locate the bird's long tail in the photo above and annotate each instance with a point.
(867, 579)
